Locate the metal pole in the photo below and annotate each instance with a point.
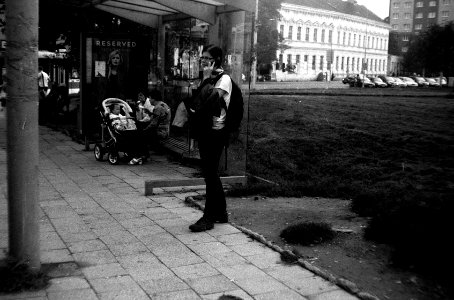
(254, 46)
(22, 131)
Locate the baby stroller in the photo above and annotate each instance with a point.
(114, 141)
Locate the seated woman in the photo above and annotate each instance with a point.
(159, 125)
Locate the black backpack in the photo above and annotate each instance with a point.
(235, 110)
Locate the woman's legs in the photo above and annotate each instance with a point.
(210, 148)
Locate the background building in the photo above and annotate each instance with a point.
(326, 37)
(410, 17)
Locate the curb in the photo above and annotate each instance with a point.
(338, 93)
(292, 258)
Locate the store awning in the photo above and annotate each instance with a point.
(147, 12)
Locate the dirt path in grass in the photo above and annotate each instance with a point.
(348, 256)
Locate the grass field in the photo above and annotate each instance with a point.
(393, 156)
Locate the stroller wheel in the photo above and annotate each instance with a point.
(99, 152)
(113, 158)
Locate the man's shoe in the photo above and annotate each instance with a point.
(202, 224)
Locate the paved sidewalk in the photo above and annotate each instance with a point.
(105, 240)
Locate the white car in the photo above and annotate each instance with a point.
(409, 81)
(399, 82)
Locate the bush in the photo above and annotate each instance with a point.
(308, 233)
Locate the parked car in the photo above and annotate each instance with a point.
(420, 81)
(378, 82)
(364, 81)
(410, 82)
(348, 79)
(388, 80)
(432, 81)
(399, 82)
(444, 82)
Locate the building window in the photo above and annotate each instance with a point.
(313, 62)
(419, 15)
(395, 27)
(407, 27)
(342, 63)
(281, 58)
(418, 26)
(290, 32)
(298, 34)
(330, 36)
(432, 15)
(353, 63)
(404, 49)
(433, 3)
(323, 36)
(315, 34)
(419, 4)
(337, 62)
(405, 38)
(407, 16)
(446, 2)
(322, 62)
(289, 59)
(338, 37)
(298, 58)
(445, 14)
(343, 38)
(368, 42)
(396, 5)
(349, 39)
(407, 4)
(373, 43)
(307, 34)
(281, 30)
(348, 64)
(381, 43)
(357, 63)
(395, 16)
(306, 57)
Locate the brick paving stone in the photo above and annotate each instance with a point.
(137, 222)
(134, 294)
(195, 271)
(222, 229)
(265, 261)
(209, 248)
(94, 257)
(150, 272)
(56, 256)
(178, 295)
(181, 259)
(237, 293)
(24, 295)
(286, 294)
(337, 294)
(174, 221)
(145, 231)
(259, 284)
(251, 248)
(119, 283)
(127, 249)
(62, 270)
(86, 246)
(104, 271)
(85, 294)
(119, 238)
(224, 259)
(67, 283)
(163, 285)
(195, 238)
(211, 284)
(69, 237)
(234, 239)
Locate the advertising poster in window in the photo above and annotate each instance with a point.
(116, 67)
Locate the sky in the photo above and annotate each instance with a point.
(379, 7)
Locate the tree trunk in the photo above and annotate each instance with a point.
(22, 131)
